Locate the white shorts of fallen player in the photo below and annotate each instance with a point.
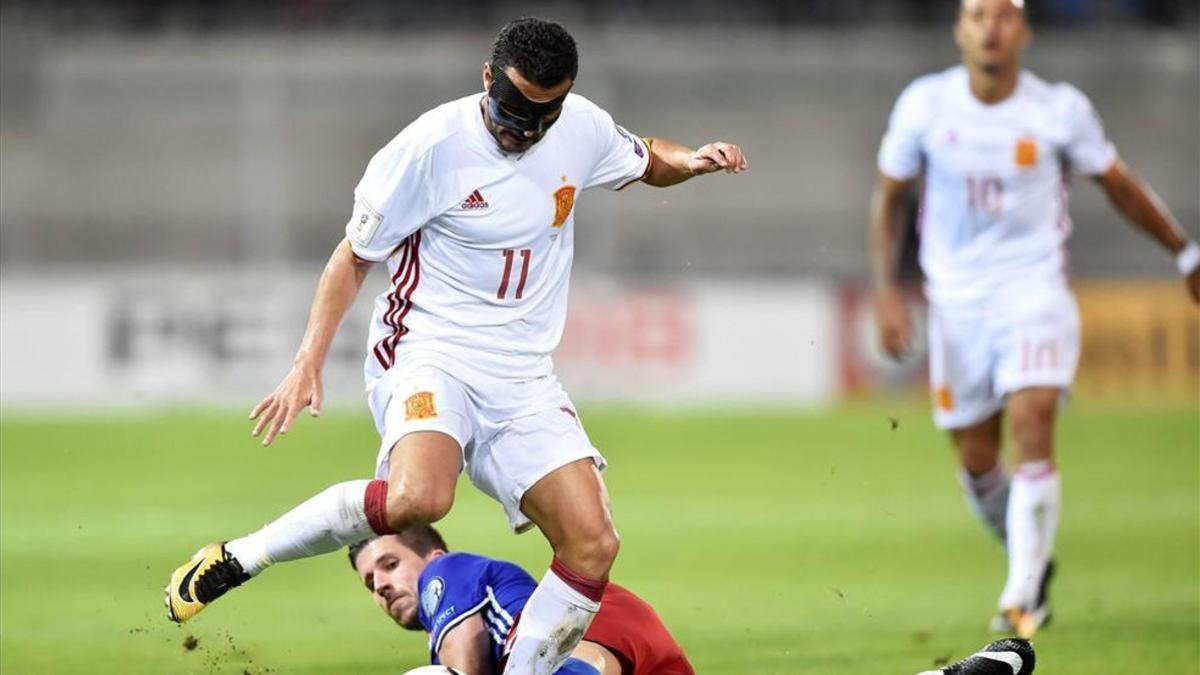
(980, 353)
(512, 433)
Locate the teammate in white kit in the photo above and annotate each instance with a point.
(472, 208)
(993, 145)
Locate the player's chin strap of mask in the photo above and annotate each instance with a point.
(508, 107)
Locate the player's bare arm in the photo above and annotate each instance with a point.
(467, 647)
(887, 232)
(671, 163)
(1142, 207)
(598, 657)
(336, 291)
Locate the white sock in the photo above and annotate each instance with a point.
(1033, 506)
(987, 495)
(551, 626)
(326, 522)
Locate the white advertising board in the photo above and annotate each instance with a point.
(227, 337)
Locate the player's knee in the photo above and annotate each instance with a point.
(593, 553)
(606, 546)
(417, 505)
(978, 458)
(978, 446)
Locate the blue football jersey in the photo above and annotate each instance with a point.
(457, 585)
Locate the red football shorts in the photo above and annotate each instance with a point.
(628, 626)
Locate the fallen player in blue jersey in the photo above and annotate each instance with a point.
(470, 606)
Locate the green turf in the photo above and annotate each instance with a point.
(771, 543)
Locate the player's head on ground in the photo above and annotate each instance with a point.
(390, 565)
(992, 34)
(533, 65)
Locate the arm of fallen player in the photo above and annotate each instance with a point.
(467, 648)
(671, 163)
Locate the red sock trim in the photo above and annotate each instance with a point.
(1029, 473)
(591, 589)
(375, 506)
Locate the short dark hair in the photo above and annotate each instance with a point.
(542, 51)
(420, 538)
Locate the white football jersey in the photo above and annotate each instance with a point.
(994, 208)
(479, 242)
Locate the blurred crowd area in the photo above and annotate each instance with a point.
(174, 173)
(145, 133)
(209, 15)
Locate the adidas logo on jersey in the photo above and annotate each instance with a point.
(475, 201)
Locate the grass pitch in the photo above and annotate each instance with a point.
(770, 543)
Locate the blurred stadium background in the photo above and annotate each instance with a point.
(173, 174)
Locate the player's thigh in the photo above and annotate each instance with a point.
(543, 454)
(570, 504)
(961, 368)
(426, 419)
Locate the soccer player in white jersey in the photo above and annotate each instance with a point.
(472, 209)
(993, 145)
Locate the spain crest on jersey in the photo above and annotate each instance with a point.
(419, 406)
(564, 201)
(1027, 153)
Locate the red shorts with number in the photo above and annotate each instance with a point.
(629, 628)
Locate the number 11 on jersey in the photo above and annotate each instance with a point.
(509, 256)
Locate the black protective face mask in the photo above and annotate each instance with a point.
(517, 112)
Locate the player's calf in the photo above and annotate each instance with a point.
(553, 621)
(987, 497)
(570, 506)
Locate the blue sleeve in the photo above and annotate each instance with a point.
(574, 666)
(451, 589)
(457, 585)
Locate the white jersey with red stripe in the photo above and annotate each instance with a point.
(994, 209)
(479, 242)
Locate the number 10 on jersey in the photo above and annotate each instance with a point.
(509, 256)
(985, 193)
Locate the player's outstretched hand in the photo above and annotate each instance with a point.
(299, 390)
(716, 157)
(1193, 284)
(895, 325)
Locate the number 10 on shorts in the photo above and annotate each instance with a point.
(509, 257)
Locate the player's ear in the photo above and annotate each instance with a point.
(487, 76)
